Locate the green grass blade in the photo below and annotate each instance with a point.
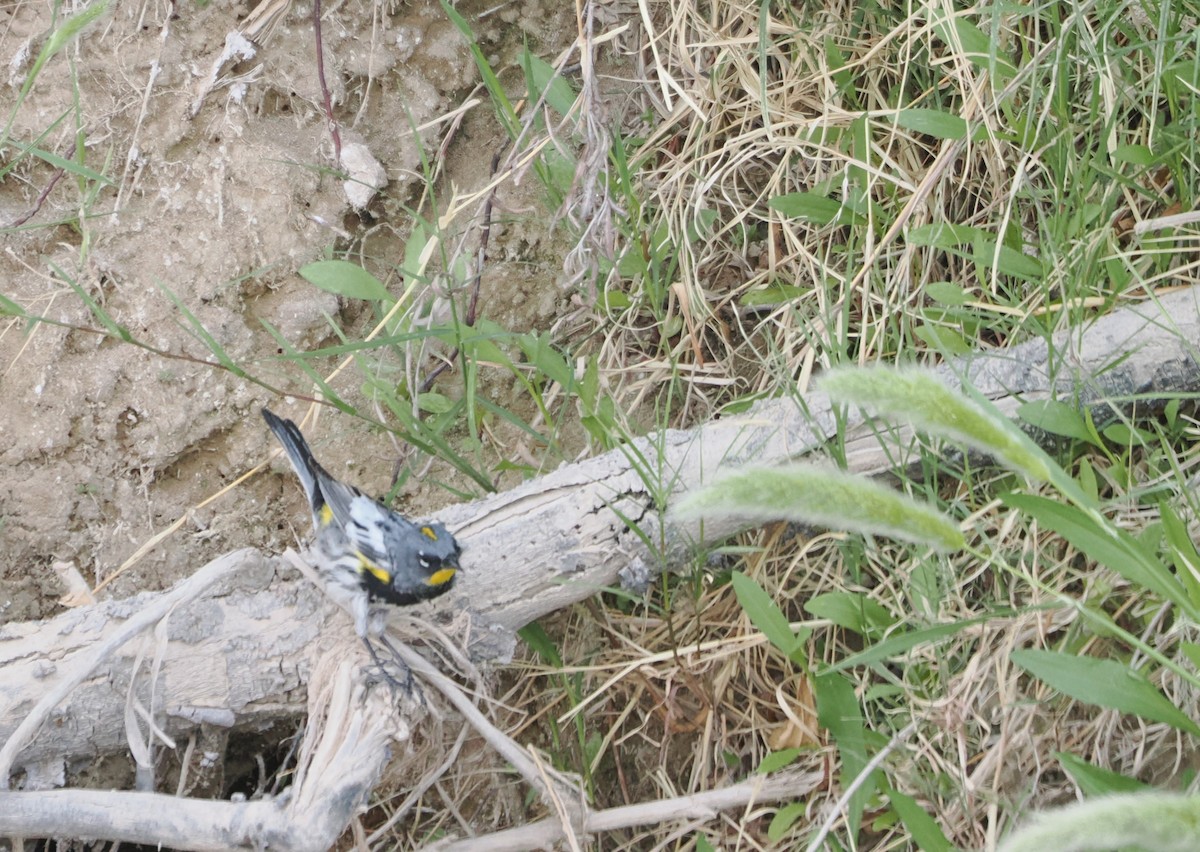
(301, 360)
(839, 713)
(504, 109)
(765, 615)
(1105, 543)
(102, 316)
(57, 40)
(202, 334)
(904, 642)
(921, 826)
(71, 166)
(1106, 683)
(9, 308)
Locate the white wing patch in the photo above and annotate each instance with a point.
(366, 527)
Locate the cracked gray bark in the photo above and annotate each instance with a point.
(242, 653)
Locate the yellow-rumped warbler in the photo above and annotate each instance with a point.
(367, 552)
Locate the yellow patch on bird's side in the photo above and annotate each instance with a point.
(326, 515)
(441, 577)
(374, 570)
(429, 533)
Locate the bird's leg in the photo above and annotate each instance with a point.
(412, 688)
(408, 686)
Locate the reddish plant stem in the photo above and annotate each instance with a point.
(328, 101)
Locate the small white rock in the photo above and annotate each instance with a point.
(365, 174)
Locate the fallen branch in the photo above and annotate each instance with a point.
(344, 753)
(559, 538)
(701, 807)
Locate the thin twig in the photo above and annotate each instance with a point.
(860, 779)
(702, 806)
(508, 748)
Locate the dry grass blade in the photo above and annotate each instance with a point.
(261, 23)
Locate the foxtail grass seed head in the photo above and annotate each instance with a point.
(823, 497)
(918, 398)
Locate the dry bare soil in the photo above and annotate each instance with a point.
(214, 195)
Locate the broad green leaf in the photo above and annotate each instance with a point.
(540, 352)
(923, 828)
(926, 588)
(539, 640)
(615, 300)
(1124, 436)
(772, 294)
(1008, 261)
(816, 208)
(412, 267)
(1085, 474)
(777, 760)
(942, 339)
(1182, 551)
(1095, 781)
(764, 613)
(434, 403)
(979, 49)
(1135, 155)
(945, 235)
(1171, 412)
(589, 386)
(481, 344)
(851, 610)
(1057, 418)
(946, 293)
(932, 122)
(835, 63)
(347, 279)
(784, 819)
(701, 225)
(838, 712)
(559, 94)
(1106, 683)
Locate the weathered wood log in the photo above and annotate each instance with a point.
(558, 538)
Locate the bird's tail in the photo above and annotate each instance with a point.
(299, 455)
